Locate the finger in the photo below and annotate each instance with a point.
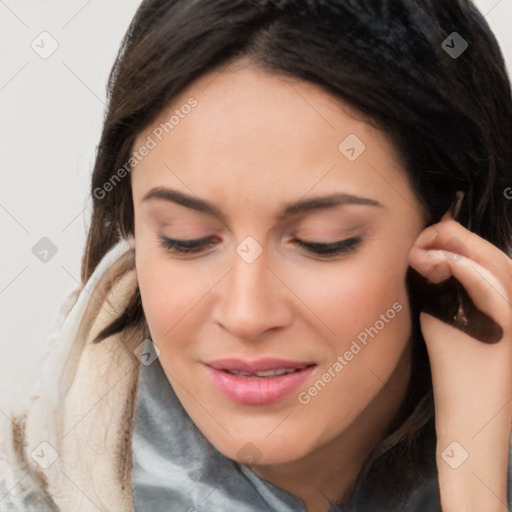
(457, 241)
(486, 291)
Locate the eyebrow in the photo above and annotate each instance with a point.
(315, 203)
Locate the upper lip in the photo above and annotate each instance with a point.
(260, 365)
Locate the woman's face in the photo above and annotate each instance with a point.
(257, 165)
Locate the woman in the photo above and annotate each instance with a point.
(296, 279)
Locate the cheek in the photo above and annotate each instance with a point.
(352, 297)
(173, 294)
(368, 319)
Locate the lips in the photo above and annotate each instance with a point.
(258, 382)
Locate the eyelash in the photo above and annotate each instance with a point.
(329, 250)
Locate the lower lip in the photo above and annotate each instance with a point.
(257, 390)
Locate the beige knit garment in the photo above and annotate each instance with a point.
(85, 412)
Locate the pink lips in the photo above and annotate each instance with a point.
(252, 389)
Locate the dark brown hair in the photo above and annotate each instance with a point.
(449, 116)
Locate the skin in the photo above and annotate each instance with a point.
(254, 142)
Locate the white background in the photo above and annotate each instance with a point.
(50, 122)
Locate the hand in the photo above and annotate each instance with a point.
(472, 380)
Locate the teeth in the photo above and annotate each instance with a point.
(268, 373)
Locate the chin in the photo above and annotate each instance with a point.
(260, 451)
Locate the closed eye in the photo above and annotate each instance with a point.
(330, 249)
(185, 246)
(324, 250)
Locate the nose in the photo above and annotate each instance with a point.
(253, 300)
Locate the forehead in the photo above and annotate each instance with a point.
(249, 104)
(264, 134)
